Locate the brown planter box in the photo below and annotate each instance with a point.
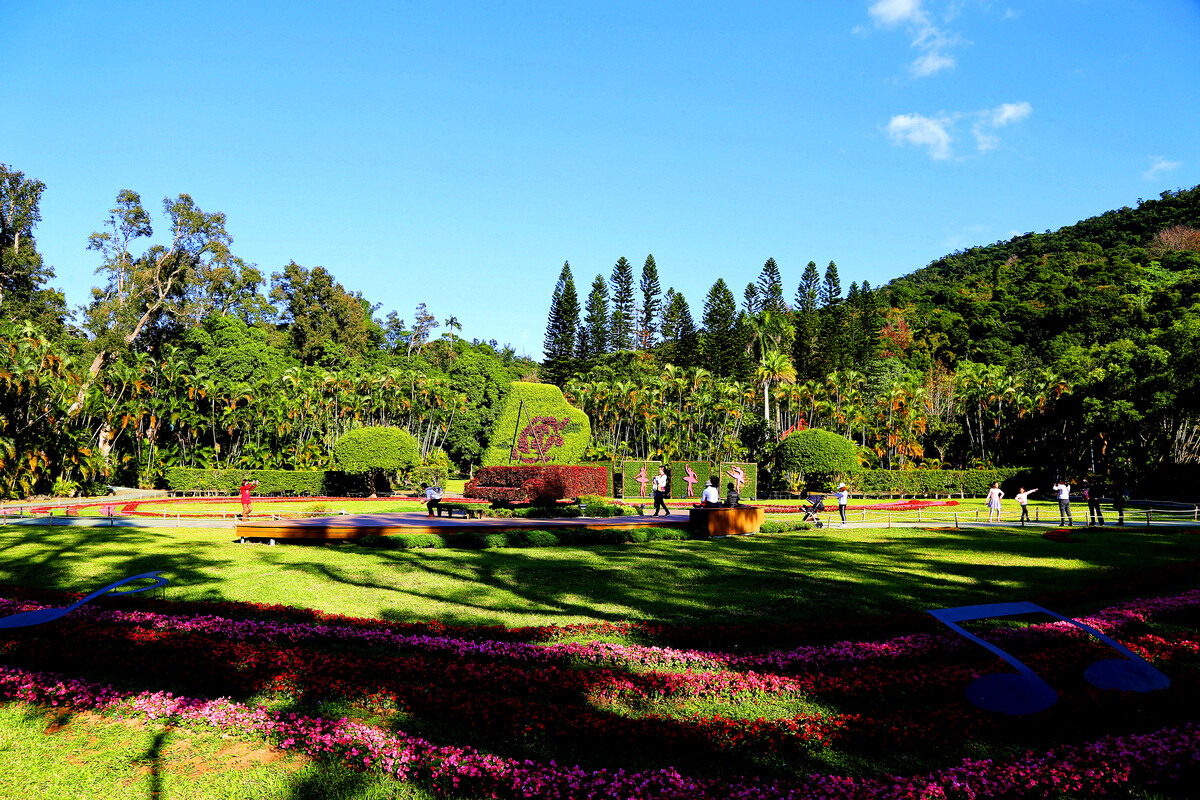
(726, 521)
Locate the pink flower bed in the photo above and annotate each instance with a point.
(870, 697)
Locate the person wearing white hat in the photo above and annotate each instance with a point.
(843, 498)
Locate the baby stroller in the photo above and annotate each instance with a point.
(816, 505)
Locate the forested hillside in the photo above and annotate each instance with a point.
(1110, 304)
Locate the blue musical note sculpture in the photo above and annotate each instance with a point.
(1025, 692)
(24, 619)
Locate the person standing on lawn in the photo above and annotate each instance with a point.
(1119, 498)
(660, 492)
(994, 496)
(1022, 498)
(1091, 493)
(843, 498)
(1063, 489)
(246, 487)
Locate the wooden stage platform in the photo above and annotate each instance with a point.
(356, 526)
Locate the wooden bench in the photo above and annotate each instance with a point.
(467, 512)
(719, 521)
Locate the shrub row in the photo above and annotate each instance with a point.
(316, 483)
(784, 526)
(566, 537)
(932, 482)
(539, 484)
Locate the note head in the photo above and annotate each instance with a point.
(35, 617)
(1011, 693)
(1126, 675)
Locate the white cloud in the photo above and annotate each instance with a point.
(986, 122)
(1159, 166)
(930, 132)
(923, 33)
(938, 134)
(1005, 113)
(932, 62)
(893, 12)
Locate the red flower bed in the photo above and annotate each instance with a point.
(542, 483)
(645, 721)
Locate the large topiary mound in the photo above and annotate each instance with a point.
(817, 456)
(377, 450)
(538, 426)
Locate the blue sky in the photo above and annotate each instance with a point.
(457, 153)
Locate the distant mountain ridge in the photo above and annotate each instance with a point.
(1032, 298)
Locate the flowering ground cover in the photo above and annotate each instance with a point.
(551, 712)
(811, 703)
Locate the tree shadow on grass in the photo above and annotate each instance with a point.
(755, 581)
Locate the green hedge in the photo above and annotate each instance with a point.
(679, 486)
(567, 537)
(749, 488)
(379, 447)
(270, 481)
(960, 482)
(630, 487)
(540, 400)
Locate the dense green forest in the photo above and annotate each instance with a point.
(1070, 351)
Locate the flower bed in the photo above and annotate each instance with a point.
(831, 508)
(519, 713)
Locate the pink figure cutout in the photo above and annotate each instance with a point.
(691, 480)
(642, 481)
(739, 477)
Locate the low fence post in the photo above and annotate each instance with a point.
(956, 520)
(1147, 519)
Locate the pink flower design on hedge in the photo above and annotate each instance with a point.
(537, 438)
(690, 479)
(738, 475)
(642, 481)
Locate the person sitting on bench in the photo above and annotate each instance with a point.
(732, 498)
(433, 498)
(711, 497)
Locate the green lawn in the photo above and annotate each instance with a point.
(815, 576)
(767, 577)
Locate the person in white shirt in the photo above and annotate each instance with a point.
(660, 492)
(1022, 498)
(1064, 503)
(843, 498)
(994, 495)
(433, 499)
(711, 495)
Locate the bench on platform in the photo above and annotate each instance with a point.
(467, 512)
(720, 521)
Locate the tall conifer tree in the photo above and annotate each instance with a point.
(621, 330)
(770, 288)
(834, 350)
(593, 339)
(679, 338)
(651, 305)
(558, 348)
(720, 342)
(807, 325)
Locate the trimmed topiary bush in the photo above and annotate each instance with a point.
(376, 450)
(538, 426)
(818, 456)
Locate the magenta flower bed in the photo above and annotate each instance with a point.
(593, 719)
